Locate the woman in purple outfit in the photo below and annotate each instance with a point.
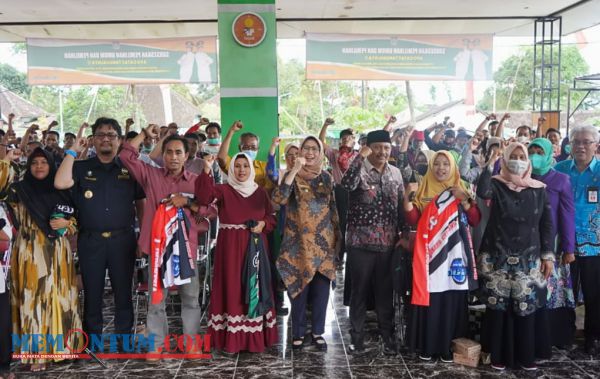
(559, 315)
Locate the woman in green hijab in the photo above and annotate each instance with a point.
(555, 326)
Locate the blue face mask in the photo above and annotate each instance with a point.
(568, 149)
(214, 141)
(250, 153)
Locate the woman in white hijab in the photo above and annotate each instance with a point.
(239, 201)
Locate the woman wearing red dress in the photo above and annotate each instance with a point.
(239, 201)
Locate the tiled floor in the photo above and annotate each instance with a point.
(337, 362)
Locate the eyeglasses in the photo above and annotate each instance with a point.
(249, 147)
(310, 149)
(586, 143)
(110, 136)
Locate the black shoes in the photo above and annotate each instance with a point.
(389, 347)
(297, 344)
(357, 343)
(591, 347)
(447, 358)
(319, 343)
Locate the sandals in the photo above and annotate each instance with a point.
(297, 344)
(319, 343)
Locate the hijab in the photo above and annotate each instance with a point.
(430, 187)
(290, 146)
(247, 187)
(427, 153)
(547, 159)
(40, 197)
(513, 181)
(311, 172)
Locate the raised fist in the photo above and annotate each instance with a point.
(300, 162)
(79, 145)
(365, 151)
(237, 126)
(152, 131)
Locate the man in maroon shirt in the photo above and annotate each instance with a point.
(175, 183)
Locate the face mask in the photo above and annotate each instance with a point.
(537, 163)
(523, 139)
(250, 153)
(214, 141)
(146, 150)
(214, 150)
(421, 169)
(517, 166)
(568, 149)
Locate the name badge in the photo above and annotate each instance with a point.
(592, 195)
(124, 174)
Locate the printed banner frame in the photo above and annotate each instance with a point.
(125, 61)
(399, 57)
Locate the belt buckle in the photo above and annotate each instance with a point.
(106, 234)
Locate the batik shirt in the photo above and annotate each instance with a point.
(586, 190)
(373, 215)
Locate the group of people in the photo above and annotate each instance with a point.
(512, 223)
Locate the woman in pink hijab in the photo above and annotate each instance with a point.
(515, 259)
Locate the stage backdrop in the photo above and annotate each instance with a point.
(172, 60)
(398, 57)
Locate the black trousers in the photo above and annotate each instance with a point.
(96, 254)
(342, 201)
(276, 282)
(589, 274)
(371, 268)
(317, 293)
(5, 332)
(510, 339)
(576, 280)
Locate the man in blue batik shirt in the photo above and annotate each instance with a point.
(584, 171)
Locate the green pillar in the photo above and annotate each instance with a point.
(248, 75)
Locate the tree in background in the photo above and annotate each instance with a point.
(304, 104)
(14, 80)
(77, 101)
(517, 71)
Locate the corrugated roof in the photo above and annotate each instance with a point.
(25, 111)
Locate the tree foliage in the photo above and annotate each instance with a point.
(14, 81)
(517, 72)
(304, 104)
(111, 101)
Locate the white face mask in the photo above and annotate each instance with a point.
(522, 139)
(516, 166)
(214, 150)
